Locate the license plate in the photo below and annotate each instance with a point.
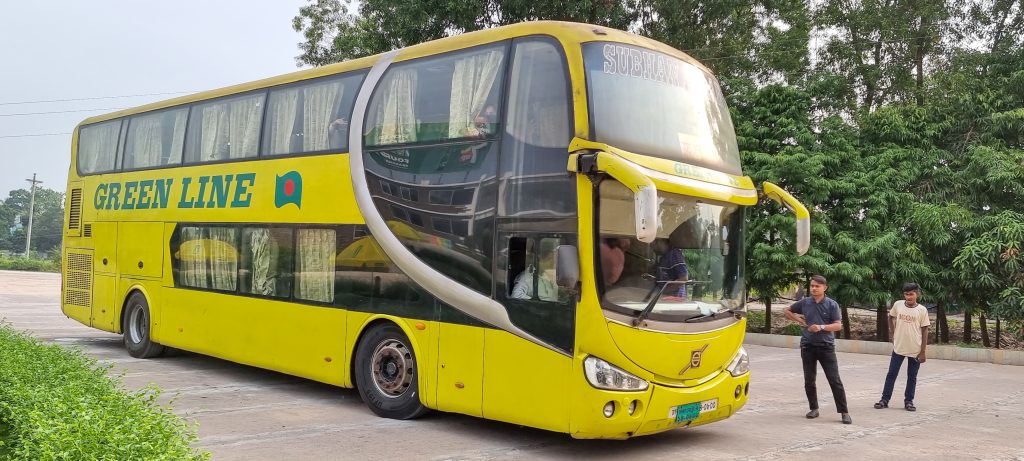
(690, 411)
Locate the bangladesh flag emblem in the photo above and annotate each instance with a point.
(288, 190)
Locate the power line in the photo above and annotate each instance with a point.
(60, 112)
(32, 135)
(94, 98)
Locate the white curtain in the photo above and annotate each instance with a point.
(396, 117)
(283, 109)
(315, 264)
(146, 141)
(264, 261)
(320, 104)
(193, 258)
(231, 129)
(97, 146)
(223, 258)
(177, 139)
(471, 84)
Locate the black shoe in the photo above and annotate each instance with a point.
(847, 419)
(909, 406)
(882, 404)
(812, 414)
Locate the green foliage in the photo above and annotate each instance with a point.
(755, 321)
(793, 329)
(47, 222)
(57, 404)
(899, 124)
(19, 263)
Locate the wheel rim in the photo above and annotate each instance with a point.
(137, 325)
(392, 368)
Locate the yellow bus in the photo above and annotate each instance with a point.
(541, 224)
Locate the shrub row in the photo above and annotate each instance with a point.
(58, 404)
(18, 263)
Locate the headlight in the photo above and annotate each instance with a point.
(740, 363)
(604, 375)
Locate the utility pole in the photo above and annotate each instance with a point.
(31, 211)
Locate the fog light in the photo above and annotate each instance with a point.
(632, 407)
(739, 390)
(609, 409)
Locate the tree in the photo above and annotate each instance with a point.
(47, 223)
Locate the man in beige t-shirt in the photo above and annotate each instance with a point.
(908, 322)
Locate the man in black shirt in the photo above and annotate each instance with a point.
(820, 316)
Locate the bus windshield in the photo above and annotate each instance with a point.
(692, 270)
(651, 103)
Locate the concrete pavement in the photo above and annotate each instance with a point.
(965, 410)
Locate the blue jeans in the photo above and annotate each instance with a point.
(895, 362)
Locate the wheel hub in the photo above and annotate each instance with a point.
(392, 368)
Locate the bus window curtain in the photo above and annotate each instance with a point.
(284, 107)
(321, 103)
(223, 258)
(471, 84)
(264, 261)
(396, 115)
(193, 258)
(315, 264)
(231, 130)
(97, 147)
(147, 142)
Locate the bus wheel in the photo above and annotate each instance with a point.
(386, 375)
(136, 329)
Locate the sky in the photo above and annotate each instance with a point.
(102, 48)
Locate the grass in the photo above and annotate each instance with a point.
(58, 404)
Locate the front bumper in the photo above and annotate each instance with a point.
(654, 407)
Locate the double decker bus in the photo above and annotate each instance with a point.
(541, 224)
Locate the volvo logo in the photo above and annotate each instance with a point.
(695, 357)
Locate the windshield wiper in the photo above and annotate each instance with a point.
(660, 286)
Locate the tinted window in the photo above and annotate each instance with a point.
(97, 147)
(266, 263)
(534, 180)
(651, 103)
(207, 257)
(155, 139)
(312, 116)
(455, 96)
(225, 129)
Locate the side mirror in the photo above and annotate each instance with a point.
(567, 266)
(803, 217)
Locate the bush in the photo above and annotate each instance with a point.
(19, 263)
(755, 321)
(57, 404)
(793, 329)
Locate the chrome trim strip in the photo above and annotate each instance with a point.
(447, 290)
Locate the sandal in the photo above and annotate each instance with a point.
(909, 406)
(882, 404)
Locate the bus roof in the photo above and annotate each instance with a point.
(567, 32)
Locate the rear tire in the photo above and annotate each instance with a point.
(136, 327)
(386, 374)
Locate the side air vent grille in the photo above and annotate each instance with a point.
(87, 230)
(78, 280)
(75, 209)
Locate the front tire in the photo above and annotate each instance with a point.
(386, 374)
(136, 328)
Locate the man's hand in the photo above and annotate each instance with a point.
(814, 328)
(799, 318)
(921, 357)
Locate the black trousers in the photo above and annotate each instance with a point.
(812, 354)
